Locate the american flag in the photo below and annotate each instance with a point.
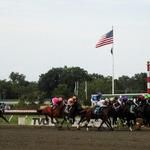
(105, 39)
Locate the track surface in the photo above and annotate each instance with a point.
(50, 138)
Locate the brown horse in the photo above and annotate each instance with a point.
(88, 113)
(51, 112)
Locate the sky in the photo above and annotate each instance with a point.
(38, 35)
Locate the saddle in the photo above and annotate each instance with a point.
(48, 109)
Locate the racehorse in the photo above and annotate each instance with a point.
(88, 113)
(74, 111)
(125, 112)
(60, 112)
(145, 110)
(53, 113)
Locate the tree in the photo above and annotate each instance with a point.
(123, 85)
(140, 83)
(62, 90)
(50, 81)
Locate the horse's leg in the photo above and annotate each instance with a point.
(57, 121)
(86, 124)
(129, 124)
(82, 119)
(73, 120)
(114, 121)
(101, 124)
(47, 119)
(108, 123)
(64, 119)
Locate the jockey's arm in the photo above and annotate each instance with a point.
(135, 102)
(119, 101)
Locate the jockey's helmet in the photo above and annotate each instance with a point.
(124, 98)
(99, 95)
(60, 99)
(74, 97)
(147, 96)
(141, 97)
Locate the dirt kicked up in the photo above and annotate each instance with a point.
(50, 138)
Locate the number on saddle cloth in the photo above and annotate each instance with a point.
(68, 108)
(132, 109)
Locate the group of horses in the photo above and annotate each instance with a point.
(128, 113)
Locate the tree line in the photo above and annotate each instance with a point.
(61, 82)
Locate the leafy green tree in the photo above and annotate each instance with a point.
(122, 85)
(49, 81)
(139, 83)
(62, 90)
(17, 78)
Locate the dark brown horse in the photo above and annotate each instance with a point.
(126, 113)
(51, 112)
(88, 113)
(74, 111)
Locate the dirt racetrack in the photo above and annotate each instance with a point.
(50, 138)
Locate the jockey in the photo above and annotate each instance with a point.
(71, 101)
(139, 100)
(135, 101)
(122, 100)
(116, 103)
(56, 101)
(98, 107)
(102, 103)
(142, 100)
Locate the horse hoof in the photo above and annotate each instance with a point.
(112, 129)
(59, 126)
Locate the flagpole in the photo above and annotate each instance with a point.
(113, 87)
(105, 40)
(112, 52)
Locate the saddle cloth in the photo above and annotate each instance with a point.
(97, 110)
